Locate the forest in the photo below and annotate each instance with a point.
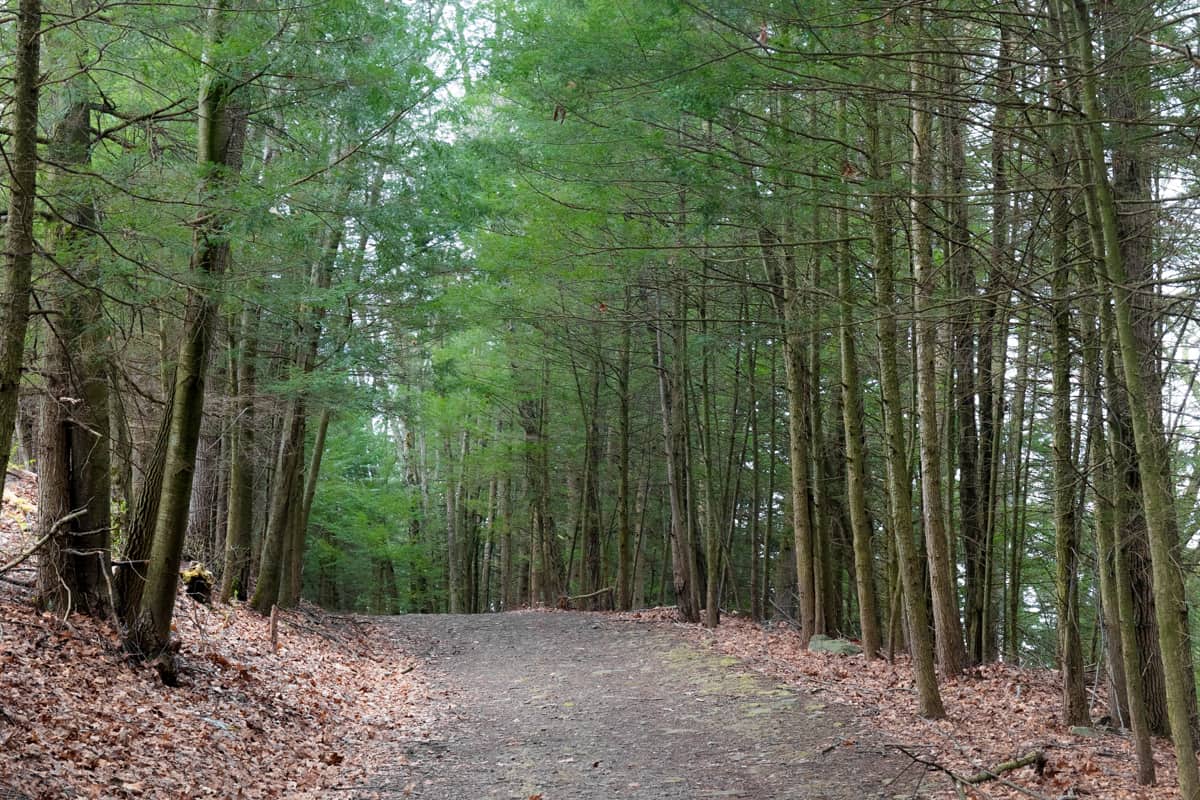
(875, 318)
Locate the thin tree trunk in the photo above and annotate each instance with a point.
(22, 162)
(855, 440)
(947, 627)
(235, 576)
(625, 555)
(899, 489)
(1070, 651)
(671, 399)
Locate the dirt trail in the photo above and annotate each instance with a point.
(570, 706)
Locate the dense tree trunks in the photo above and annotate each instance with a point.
(1150, 443)
(591, 572)
(454, 528)
(824, 602)
(313, 475)
(545, 560)
(626, 554)
(993, 336)
(205, 526)
(1099, 490)
(132, 568)
(288, 463)
(1127, 661)
(1126, 93)
(710, 506)
(1018, 447)
(418, 587)
(22, 162)
(781, 270)
(755, 524)
(947, 627)
(1129, 516)
(961, 274)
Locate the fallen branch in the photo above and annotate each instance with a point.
(18, 560)
(592, 594)
(1036, 757)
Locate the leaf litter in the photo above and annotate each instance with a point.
(78, 719)
(994, 713)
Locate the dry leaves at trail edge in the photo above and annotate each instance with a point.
(79, 720)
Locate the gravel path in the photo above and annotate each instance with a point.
(571, 706)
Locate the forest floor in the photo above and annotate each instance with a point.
(994, 714)
(524, 705)
(310, 719)
(575, 706)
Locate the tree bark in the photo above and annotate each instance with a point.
(22, 164)
(855, 441)
(73, 448)
(220, 140)
(899, 480)
(947, 627)
(235, 576)
(1070, 650)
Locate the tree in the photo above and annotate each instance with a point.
(18, 230)
(219, 143)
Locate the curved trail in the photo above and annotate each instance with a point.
(572, 706)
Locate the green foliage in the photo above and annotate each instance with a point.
(364, 514)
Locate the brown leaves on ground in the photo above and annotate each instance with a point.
(994, 713)
(77, 719)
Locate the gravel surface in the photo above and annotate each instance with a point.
(575, 706)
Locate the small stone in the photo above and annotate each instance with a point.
(826, 644)
(1083, 730)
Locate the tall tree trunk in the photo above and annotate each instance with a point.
(22, 162)
(1115, 579)
(288, 470)
(1070, 650)
(220, 139)
(1018, 459)
(899, 480)
(961, 270)
(672, 387)
(73, 458)
(855, 443)
(235, 577)
(625, 554)
(947, 627)
(757, 612)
